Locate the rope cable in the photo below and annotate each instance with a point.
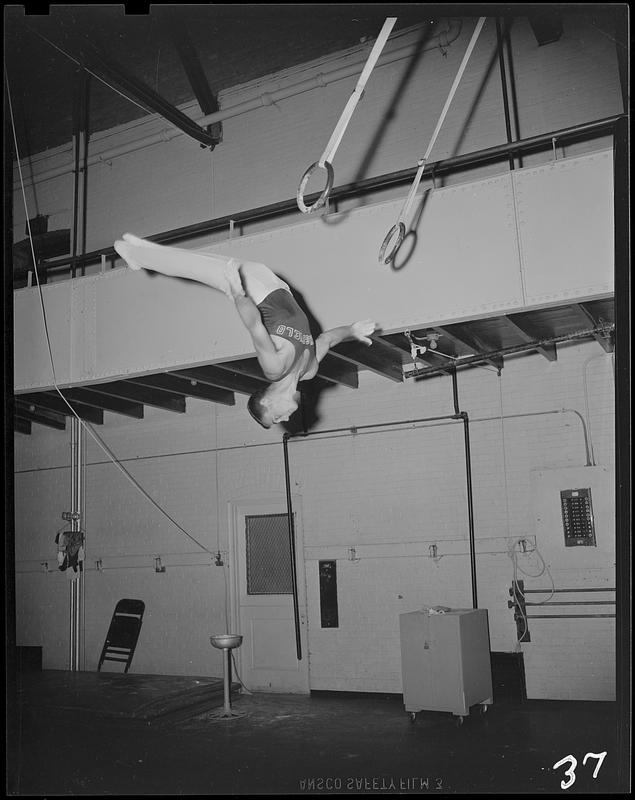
(82, 422)
(326, 159)
(400, 227)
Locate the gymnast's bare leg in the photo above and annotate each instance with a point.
(230, 275)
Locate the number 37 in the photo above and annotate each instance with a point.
(570, 773)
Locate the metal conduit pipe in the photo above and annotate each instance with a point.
(589, 461)
(468, 480)
(287, 475)
(292, 554)
(320, 80)
(359, 188)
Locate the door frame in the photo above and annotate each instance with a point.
(274, 503)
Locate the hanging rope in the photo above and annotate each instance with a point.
(326, 159)
(399, 227)
(102, 445)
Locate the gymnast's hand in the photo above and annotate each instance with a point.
(362, 330)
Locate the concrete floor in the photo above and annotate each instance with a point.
(323, 743)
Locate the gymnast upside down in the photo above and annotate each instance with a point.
(279, 329)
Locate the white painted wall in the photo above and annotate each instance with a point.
(389, 495)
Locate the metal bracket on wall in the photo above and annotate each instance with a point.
(517, 592)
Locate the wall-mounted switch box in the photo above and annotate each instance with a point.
(577, 518)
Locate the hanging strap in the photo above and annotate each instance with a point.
(326, 159)
(399, 227)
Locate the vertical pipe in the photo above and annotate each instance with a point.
(72, 593)
(294, 575)
(455, 391)
(470, 506)
(512, 87)
(85, 118)
(80, 525)
(227, 679)
(503, 74)
(468, 478)
(75, 202)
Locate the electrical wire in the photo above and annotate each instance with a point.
(518, 594)
(85, 424)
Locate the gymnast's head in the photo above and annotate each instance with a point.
(269, 406)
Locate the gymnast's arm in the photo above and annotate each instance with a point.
(273, 363)
(358, 330)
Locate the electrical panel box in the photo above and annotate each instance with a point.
(577, 517)
(445, 660)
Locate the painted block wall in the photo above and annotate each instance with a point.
(389, 494)
(264, 153)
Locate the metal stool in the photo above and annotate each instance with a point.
(226, 642)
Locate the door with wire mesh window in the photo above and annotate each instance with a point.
(268, 655)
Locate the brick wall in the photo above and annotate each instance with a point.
(388, 494)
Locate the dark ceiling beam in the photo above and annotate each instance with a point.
(549, 351)
(471, 342)
(22, 425)
(334, 370)
(171, 20)
(188, 387)
(39, 418)
(245, 366)
(77, 47)
(223, 376)
(546, 25)
(586, 316)
(51, 401)
(377, 358)
(166, 401)
(96, 400)
(40, 414)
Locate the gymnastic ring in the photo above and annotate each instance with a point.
(400, 228)
(325, 192)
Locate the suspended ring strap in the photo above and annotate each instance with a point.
(400, 229)
(325, 192)
(422, 162)
(336, 137)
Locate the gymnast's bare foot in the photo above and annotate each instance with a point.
(123, 251)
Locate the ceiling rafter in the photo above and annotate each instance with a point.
(378, 358)
(76, 46)
(583, 312)
(51, 401)
(549, 351)
(114, 404)
(40, 415)
(471, 341)
(334, 370)
(166, 401)
(223, 377)
(22, 425)
(172, 22)
(188, 387)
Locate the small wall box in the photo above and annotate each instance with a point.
(445, 661)
(577, 518)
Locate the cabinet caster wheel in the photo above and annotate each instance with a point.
(413, 717)
(459, 721)
(484, 708)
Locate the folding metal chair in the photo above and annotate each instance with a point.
(123, 633)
